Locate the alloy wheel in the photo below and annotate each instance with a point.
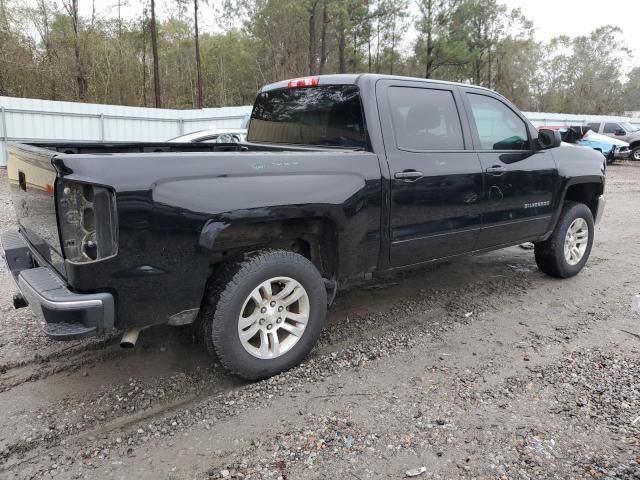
(273, 317)
(576, 240)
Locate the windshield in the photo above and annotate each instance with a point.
(628, 127)
(326, 115)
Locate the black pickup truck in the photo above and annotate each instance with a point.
(342, 177)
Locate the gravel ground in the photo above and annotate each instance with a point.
(479, 368)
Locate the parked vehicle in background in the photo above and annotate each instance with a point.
(343, 177)
(611, 148)
(213, 135)
(622, 131)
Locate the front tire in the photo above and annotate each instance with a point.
(635, 154)
(264, 313)
(566, 252)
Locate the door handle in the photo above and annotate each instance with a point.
(496, 170)
(408, 175)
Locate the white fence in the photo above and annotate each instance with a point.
(541, 119)
(23, 119)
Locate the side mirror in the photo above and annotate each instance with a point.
(548, 138)
(620, 132)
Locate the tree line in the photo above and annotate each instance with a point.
(49, 50)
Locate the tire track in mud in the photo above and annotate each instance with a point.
(125, 423)
(436, 309)
(40, 367)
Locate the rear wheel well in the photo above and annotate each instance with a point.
(586, 193)
(314, 238)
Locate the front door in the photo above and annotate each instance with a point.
(519, 180)
(436, 185)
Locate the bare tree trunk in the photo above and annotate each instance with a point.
(199, 102)
(393, 44)
(48, 48)
(323, 37)
(429, 62)
(478, 62)
(313, 55)
(378, 45)
(144, 57)
(81, 79)
(119, 69)
(154, 49)
(354, 55)
(4, 35)
(342, 45)
(489, 66)
(4, 21)
(429, 71)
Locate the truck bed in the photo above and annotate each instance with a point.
(151, 180)
(160, 147)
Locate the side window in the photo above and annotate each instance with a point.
(499, 128)
(425, 119)
(595, 127)
(610, 128)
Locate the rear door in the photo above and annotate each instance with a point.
(519, 180)
(436, 183)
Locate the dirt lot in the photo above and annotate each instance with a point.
(479, 368)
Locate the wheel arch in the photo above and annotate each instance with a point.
(587, 193)
(583, 190)
(315, 238)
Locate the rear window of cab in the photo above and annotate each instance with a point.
(321, 115)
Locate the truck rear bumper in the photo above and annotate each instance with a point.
(68, 315)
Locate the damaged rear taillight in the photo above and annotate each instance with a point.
(87, 221)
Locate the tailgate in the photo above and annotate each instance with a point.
(32, 178)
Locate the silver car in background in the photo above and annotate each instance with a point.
(213, 135)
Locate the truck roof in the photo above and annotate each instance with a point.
(359, 78)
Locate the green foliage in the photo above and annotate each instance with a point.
(583, 74)
(632, 90)
(262, 41)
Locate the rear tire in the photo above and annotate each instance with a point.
(264, 313)
(565, 253)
